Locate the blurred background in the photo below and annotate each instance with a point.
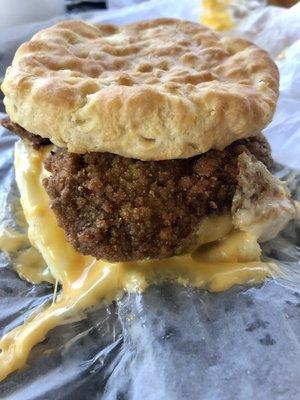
(20, 19)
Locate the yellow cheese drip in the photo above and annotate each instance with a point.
(25, 259)
(30, 265)
(11, 240)
(216, 15)
(86, 281)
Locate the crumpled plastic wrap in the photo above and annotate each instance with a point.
(173, 342)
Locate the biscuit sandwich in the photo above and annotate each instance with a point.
(154, 128)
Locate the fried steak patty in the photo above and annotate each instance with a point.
(123, 209)
(36, 140)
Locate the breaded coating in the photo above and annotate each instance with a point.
(122, 209)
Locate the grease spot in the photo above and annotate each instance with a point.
(267, 340)
(259, 323)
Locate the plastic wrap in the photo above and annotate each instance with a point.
(173, 342)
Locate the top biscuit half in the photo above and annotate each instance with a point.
(153, 90)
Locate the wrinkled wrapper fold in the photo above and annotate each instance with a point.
(173, 342)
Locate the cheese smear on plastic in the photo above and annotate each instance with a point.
(216, 266)
(216, 14)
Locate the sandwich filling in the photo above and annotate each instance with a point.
(122, 209)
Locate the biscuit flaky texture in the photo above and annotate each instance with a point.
(152, 90)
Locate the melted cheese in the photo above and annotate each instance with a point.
(11, 240)
(86, 281)
(25, 259)
(216, 15)
(30, 265)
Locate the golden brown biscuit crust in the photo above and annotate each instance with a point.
(159, 89)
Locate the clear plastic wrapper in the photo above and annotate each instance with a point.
(173, 342)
